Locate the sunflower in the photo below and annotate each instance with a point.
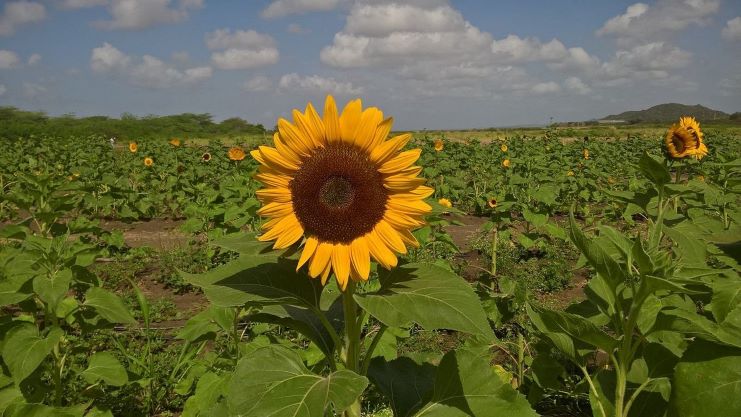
(206, 157)
(504, 147)
(492, 202)
(585, 152)
(439, 145)
(445, 202)
(175, 142)
(236, 153)
(505, 163)
(133, 147)
(570, 173)
(338, 183)
(691, 125)
(148, 161)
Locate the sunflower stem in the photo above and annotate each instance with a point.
(352, 340)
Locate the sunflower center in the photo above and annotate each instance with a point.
(678, 143)
(338, 193)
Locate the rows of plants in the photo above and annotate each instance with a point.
(657, 332)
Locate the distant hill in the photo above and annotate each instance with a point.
(669, 112)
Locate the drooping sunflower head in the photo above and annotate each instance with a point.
(148, 161)
(236, 153)
(445, 202)
(175, 142)
(439, 145)
(206, 157)
(505, 163)
(133, 147)
(338, 183)
(492, 202)
(680, 142)
(503, 147)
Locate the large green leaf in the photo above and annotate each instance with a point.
(556, 322)
(726, 297)
(654, 169)
(405, 383)
(255, 279)
(110, 306)
(272, 381)
(466, 385)
(707, 382)
(598, 257)
(51, 290)
(105, 367)
(429, 295)
(25, 349)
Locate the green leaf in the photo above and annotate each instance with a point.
(597, 257)
(272, 381)
(726, 297)
(246, 244)
(41, 410)
(429, 295)
(466, 385)
(405, 383)
(692, 251)
(258, 280)
(52, 290)
(556, 322)
(110, 306)
(707, 382)
(25, 349)
(654, 169)
(105, 367)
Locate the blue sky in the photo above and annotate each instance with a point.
(430, 63)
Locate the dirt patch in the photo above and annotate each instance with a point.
(573, 294)
(472, 262)
(162, 234)
(188, 304)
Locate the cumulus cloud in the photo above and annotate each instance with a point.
(9, 59)
(142, 14)
(280, 8)
(732, 30)
(316, 84)
(642, 23)
(147, 71)
(242, 49)
(576, 85)
(297, 29)
(652, 60)
(34, 59)
(17, 13)
(258, 83)
(545, 88)
(79, 4)
(32, 90)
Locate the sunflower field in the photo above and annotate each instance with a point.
(345, 269)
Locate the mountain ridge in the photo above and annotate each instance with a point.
(668, 112)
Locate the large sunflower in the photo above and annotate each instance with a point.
(685, 139)
(339, 184)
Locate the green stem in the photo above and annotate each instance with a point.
(494, 251)
(371, 349)
(593, 389)
(352, 340)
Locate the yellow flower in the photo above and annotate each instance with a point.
(585, 152)
(701, 178)
(133, 147)
(611, 180)
(503, 147)
(338, 183)
(439, 145)
(236, 153)
(445, 202)
(505, 163)
(175, 142)
(148, 161)
(685, 139)
(206, 157)
(570, 173)
(492, 202)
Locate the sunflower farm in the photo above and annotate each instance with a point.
(341, 268)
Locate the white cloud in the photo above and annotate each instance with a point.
(280, 8)
(644, 23)
(513, 49)
(258, 83)
(32, 90)
(3, 89)
(142, 14)
(576, 85)
(9, 59)
(316, 84)
(243, 49)
(17, 13)
(147, 71)
(297, 29)
(652, 60)
(79, 4)
(732, 30)
(546, 88)
(34, 59)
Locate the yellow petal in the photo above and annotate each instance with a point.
(285, 150)
(390, 237)
(310, 125)
(310, 246)
(294, 138)
(400, 220)
(413, 207)
(274, 195)
(387, 149)
(380, 252)
(401, 183)
(331, 121)
(341, 264)
(350, 119)
(290, 236)
(275, 210)
(408, 238)
(382, 132)
(286, 225)
(325, 273)
(258, 157)
(320, 260)
(273, 179)
(360, 257)
(400, 161)
(366, 130)
(275, 160)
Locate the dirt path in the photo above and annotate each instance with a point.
(161, 234)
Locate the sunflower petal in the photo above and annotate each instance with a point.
(400, 162)
(275, 160)
(350, 119)
(321, 259)
(274, 195)
(275, 210)
(380, 252)
(310, 246)
(290, 236)
(341, 264)
(286, 225)
(387, 149)
(273, 179)
(366, 130)
(360, 257)
(331, 121)
(413, 207)
(294, 138)
(390, 237)
(382, 132)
